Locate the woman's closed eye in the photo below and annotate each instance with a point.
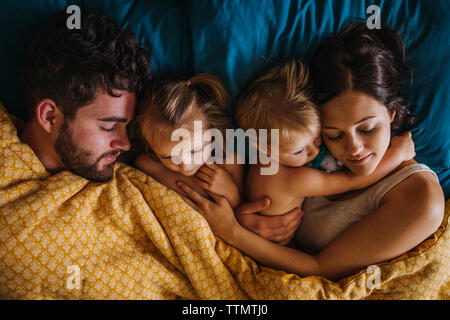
(339, 136)
(333, 138)
(367, 131)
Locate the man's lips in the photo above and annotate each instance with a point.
(360, 161)
(111, 157)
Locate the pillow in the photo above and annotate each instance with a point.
(158, 25)
(236, 40)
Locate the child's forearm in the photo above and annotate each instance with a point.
(273, 255)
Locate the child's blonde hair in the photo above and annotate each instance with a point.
(172, 101)
(280, 99)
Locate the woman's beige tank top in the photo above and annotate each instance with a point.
(324, 220)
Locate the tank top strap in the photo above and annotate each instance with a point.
(383, 186)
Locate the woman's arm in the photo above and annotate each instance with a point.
(409, 213)
(222, 221)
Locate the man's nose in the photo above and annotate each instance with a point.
(121, 141)
(354, 146)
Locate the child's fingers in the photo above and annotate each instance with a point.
(202, 183)
(202, 176)
(206, 170)
(212, 166)
(405, 133)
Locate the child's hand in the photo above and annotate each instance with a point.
(403, 145)
(215, 179)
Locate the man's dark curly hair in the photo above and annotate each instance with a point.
(71, 66)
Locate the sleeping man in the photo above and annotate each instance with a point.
(81, 94)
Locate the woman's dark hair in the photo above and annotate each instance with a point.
(71, 66)
(364, 60)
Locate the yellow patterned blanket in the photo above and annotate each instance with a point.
(63, 237)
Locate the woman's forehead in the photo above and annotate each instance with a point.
(351, 108)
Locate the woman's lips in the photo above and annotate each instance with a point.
(360, 161)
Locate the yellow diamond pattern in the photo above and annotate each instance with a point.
(132, 238)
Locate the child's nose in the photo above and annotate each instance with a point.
(313, 151)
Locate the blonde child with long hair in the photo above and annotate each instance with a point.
(174, 102)
(280, 99)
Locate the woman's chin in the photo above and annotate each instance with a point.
(364, 170)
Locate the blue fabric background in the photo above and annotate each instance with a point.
(237, 39)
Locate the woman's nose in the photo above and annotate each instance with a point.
(354, 146)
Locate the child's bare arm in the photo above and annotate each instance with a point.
(309, 182)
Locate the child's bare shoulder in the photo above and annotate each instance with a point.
(274, 187)
(257, 183)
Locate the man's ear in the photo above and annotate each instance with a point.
(393, 112)
(48, 115)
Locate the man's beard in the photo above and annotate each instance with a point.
(79, 161)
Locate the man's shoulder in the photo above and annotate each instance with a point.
(9, 126)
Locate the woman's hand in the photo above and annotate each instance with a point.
(218, 213)
(217, 180)
(278, 229)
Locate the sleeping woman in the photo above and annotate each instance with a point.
(356, 77)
